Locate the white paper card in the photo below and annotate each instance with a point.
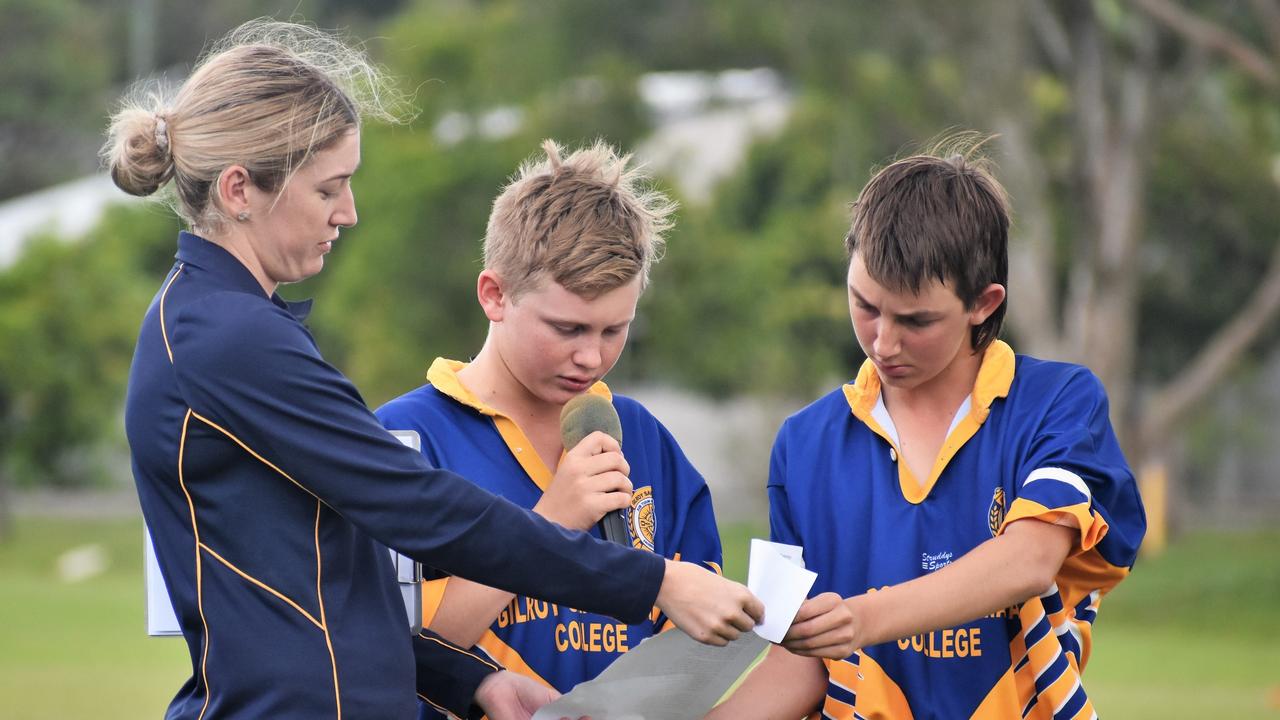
(776, 574)
(161, 620)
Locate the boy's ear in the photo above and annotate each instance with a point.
(988, 301)
(491, 294)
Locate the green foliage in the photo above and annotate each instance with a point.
(750, 297)
(69, 315)
(51, 68)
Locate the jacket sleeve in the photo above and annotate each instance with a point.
(252, 368)
(448, 675)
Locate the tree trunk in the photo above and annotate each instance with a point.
(6, 508)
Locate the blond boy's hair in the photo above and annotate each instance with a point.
(585, 221)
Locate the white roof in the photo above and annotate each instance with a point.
(68, 210)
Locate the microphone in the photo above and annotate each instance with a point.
(580, 417)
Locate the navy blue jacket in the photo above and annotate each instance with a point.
(268, 484)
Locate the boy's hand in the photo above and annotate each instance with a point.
(824, 627)
(590, 481)
(709, 608)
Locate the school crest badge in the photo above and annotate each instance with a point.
(642, 519)
(995, 514)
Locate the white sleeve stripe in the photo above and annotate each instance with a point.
(1063, 476)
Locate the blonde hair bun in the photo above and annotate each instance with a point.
(138, 152)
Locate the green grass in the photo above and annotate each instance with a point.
(71, 650)
(1193, 633)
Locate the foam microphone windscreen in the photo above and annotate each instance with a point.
(580, 417)
(586, 414)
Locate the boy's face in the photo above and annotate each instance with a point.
(557, 344)
(913, 339)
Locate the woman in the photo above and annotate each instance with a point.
(266, 482)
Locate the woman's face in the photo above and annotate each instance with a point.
(291, 232)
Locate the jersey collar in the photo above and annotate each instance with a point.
(995, 377)
(212, 258)
(443, 376)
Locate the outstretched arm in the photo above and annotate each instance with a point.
(784, 686)
(1018, 564)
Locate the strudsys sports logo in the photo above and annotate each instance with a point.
(641, 519)
(995, 514)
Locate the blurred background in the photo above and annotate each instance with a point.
(1139, 140)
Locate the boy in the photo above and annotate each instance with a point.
(566, 256)
(965, 508)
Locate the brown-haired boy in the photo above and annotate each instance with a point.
(965, 508)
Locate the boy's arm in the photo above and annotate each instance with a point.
(783, 686)
(466, 610)
(1018, 564)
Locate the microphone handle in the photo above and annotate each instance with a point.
(614, 527)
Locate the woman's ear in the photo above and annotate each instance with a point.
(986, 304)
(491, 294)
(234, 190)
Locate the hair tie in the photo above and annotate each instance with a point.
(162, 133)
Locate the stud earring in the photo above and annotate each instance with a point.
(244, 215)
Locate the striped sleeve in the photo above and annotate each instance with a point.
(1075, 474)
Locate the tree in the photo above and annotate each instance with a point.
(51, 68)
(1100, 118)
(69, 315)
(1122, 83)
(1171, 404)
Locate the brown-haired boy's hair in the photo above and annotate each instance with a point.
(585, 221)
(941, 216)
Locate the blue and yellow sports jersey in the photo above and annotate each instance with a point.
(1033, 440)
(670, 515)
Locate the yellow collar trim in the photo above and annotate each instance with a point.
(995, 377)
(443, 375)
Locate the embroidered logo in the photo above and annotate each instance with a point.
(934, 561)
(995, 514)
(641, 519)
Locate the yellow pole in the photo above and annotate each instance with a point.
(1153, 483)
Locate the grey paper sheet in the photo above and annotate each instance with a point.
(669, 676)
